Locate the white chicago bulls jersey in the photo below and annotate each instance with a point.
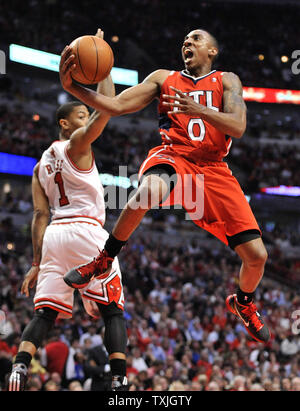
(71, 191)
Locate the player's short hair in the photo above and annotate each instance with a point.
(66, 109)
(214, 42)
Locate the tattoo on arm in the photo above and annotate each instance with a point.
(233, 94)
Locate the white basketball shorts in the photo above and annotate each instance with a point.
(67, 243)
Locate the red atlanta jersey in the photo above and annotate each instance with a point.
(192, 137)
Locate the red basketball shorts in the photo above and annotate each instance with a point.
(208, 191)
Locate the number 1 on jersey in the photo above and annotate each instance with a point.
(59, 181)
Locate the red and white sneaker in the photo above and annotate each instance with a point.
(251, 318)
(80, 276)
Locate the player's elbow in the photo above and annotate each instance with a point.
(239, 130)
(41, 213)
(119, 107)
(239, 133)
(117, 111)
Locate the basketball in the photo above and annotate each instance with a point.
(94, 59)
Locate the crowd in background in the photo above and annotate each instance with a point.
(180, 335)
(263, 164)
(154, 41)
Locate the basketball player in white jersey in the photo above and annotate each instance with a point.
(66, 180)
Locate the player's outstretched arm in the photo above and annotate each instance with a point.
(130, 100)
(39, 224)
(79, 148)
(83, 137)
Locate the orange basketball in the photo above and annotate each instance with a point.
(93, 58)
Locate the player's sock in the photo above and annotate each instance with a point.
(244, 298)
(113, 246)
(23, 357)
(118, 367)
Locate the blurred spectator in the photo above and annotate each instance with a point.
(75, 386)
(56, 24)
(97, 368)
(51, 385)
(92, 335)
(180, 333)
(54, 356)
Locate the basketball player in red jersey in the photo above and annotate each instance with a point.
(200, 111)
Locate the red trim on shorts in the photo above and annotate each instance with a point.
(93, 292)
(53, 301)
(78, 216)
(72, 222)
(53, 308)
(102, 302)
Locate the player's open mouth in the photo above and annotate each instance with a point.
(188, 55)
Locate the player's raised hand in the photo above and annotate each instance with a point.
(100, 34)
(184, 104)
(66, 67)
(30, 280)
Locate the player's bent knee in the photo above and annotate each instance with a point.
(36, 331)
(262, 255)
(109, 310)
(115, 336)
(151, 192)
(46, 313)
(258, 257)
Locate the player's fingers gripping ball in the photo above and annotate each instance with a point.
(94, 59)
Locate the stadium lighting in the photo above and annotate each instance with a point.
(50, 61)
(282, 190)
(126, 77)
(15, 164)
(22, 165)
(117, 181)
(271, 95)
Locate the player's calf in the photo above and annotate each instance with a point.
(34, 333)
(115, 341)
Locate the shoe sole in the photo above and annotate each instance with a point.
(234, 312)
(71, 283)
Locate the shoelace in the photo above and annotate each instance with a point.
(87, 269)
(102, 261)
(251, 313)
(97, 266)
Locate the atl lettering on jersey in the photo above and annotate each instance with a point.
(193, 137)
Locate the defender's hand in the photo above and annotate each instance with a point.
(30, 280)
(66, 67)
(100, 34)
